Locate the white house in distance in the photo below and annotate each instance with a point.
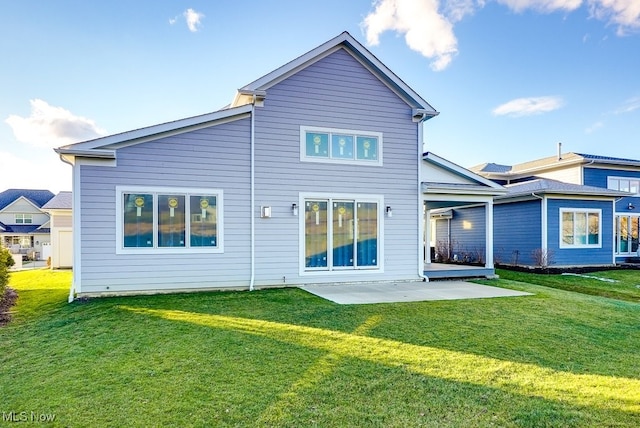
(24, 227)
(313, 174)
(59, 209)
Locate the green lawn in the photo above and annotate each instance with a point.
(287, 358)
(617, 284)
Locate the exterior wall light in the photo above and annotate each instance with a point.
(294, 209)
(389, 212)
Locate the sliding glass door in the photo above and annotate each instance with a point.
(341, 234)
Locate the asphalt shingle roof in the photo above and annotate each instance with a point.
(37, 197)
(61, 201)
(546, 185)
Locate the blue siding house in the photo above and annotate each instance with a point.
(313, 174)
(572, 209)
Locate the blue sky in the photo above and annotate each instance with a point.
(510, 78)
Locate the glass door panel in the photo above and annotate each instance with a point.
(316, 234)
(367, 233)
(624, 235)
(343, 234)
(635, 225)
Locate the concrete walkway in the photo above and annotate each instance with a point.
(354, 294)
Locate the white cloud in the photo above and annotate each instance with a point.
(628, 106)
(193, 19)
(528, 106)
(623, 13)
(426, 30)
(594, 127)
(34, 173)
(428, 24)
(50, 126)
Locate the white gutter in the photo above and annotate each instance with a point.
(253, 196)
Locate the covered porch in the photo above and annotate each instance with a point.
(446, 186)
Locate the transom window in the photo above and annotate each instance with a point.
(341, 234)
(340, 145)
(24, 219)
(173, 220)
(624, 184)
(580, 228)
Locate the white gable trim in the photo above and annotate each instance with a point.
(464, 173)
(36, 208)
(100, 146)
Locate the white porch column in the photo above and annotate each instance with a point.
(489, 234)
(427, 236)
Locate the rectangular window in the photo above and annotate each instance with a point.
(341, 234)
(169, 220)
(340, 146)
(626, 234)
(625, 184)
(24, 219)
(580, 228)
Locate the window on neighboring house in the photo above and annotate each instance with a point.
(625, 184)
(580, 228)
(24, 219)
(170, 220)
(341, 146)
(627, 234)
(341, 234)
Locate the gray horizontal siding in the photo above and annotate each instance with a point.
(217, 158)
(336, 92)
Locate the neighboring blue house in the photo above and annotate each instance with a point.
(567, 210)
(313, 174)
(24, 227)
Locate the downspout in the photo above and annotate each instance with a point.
(72, 288)
(253, 196)
(419, 116)
(421, 215)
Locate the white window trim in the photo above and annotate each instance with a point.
(188, 191)
(586, 211)
(355, 133)
(614, 177)
(379, 199)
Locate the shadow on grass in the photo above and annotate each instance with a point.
(597, 391)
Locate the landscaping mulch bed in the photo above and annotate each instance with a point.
(6, 303)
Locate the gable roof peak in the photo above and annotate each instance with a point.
(347, 42)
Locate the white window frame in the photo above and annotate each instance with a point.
(575, 211)
(23, 218)
(616, 235)
(355, 133)
(616, 179)
(155, 191)
(339, 197)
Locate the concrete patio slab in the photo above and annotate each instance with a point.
(355, 294)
